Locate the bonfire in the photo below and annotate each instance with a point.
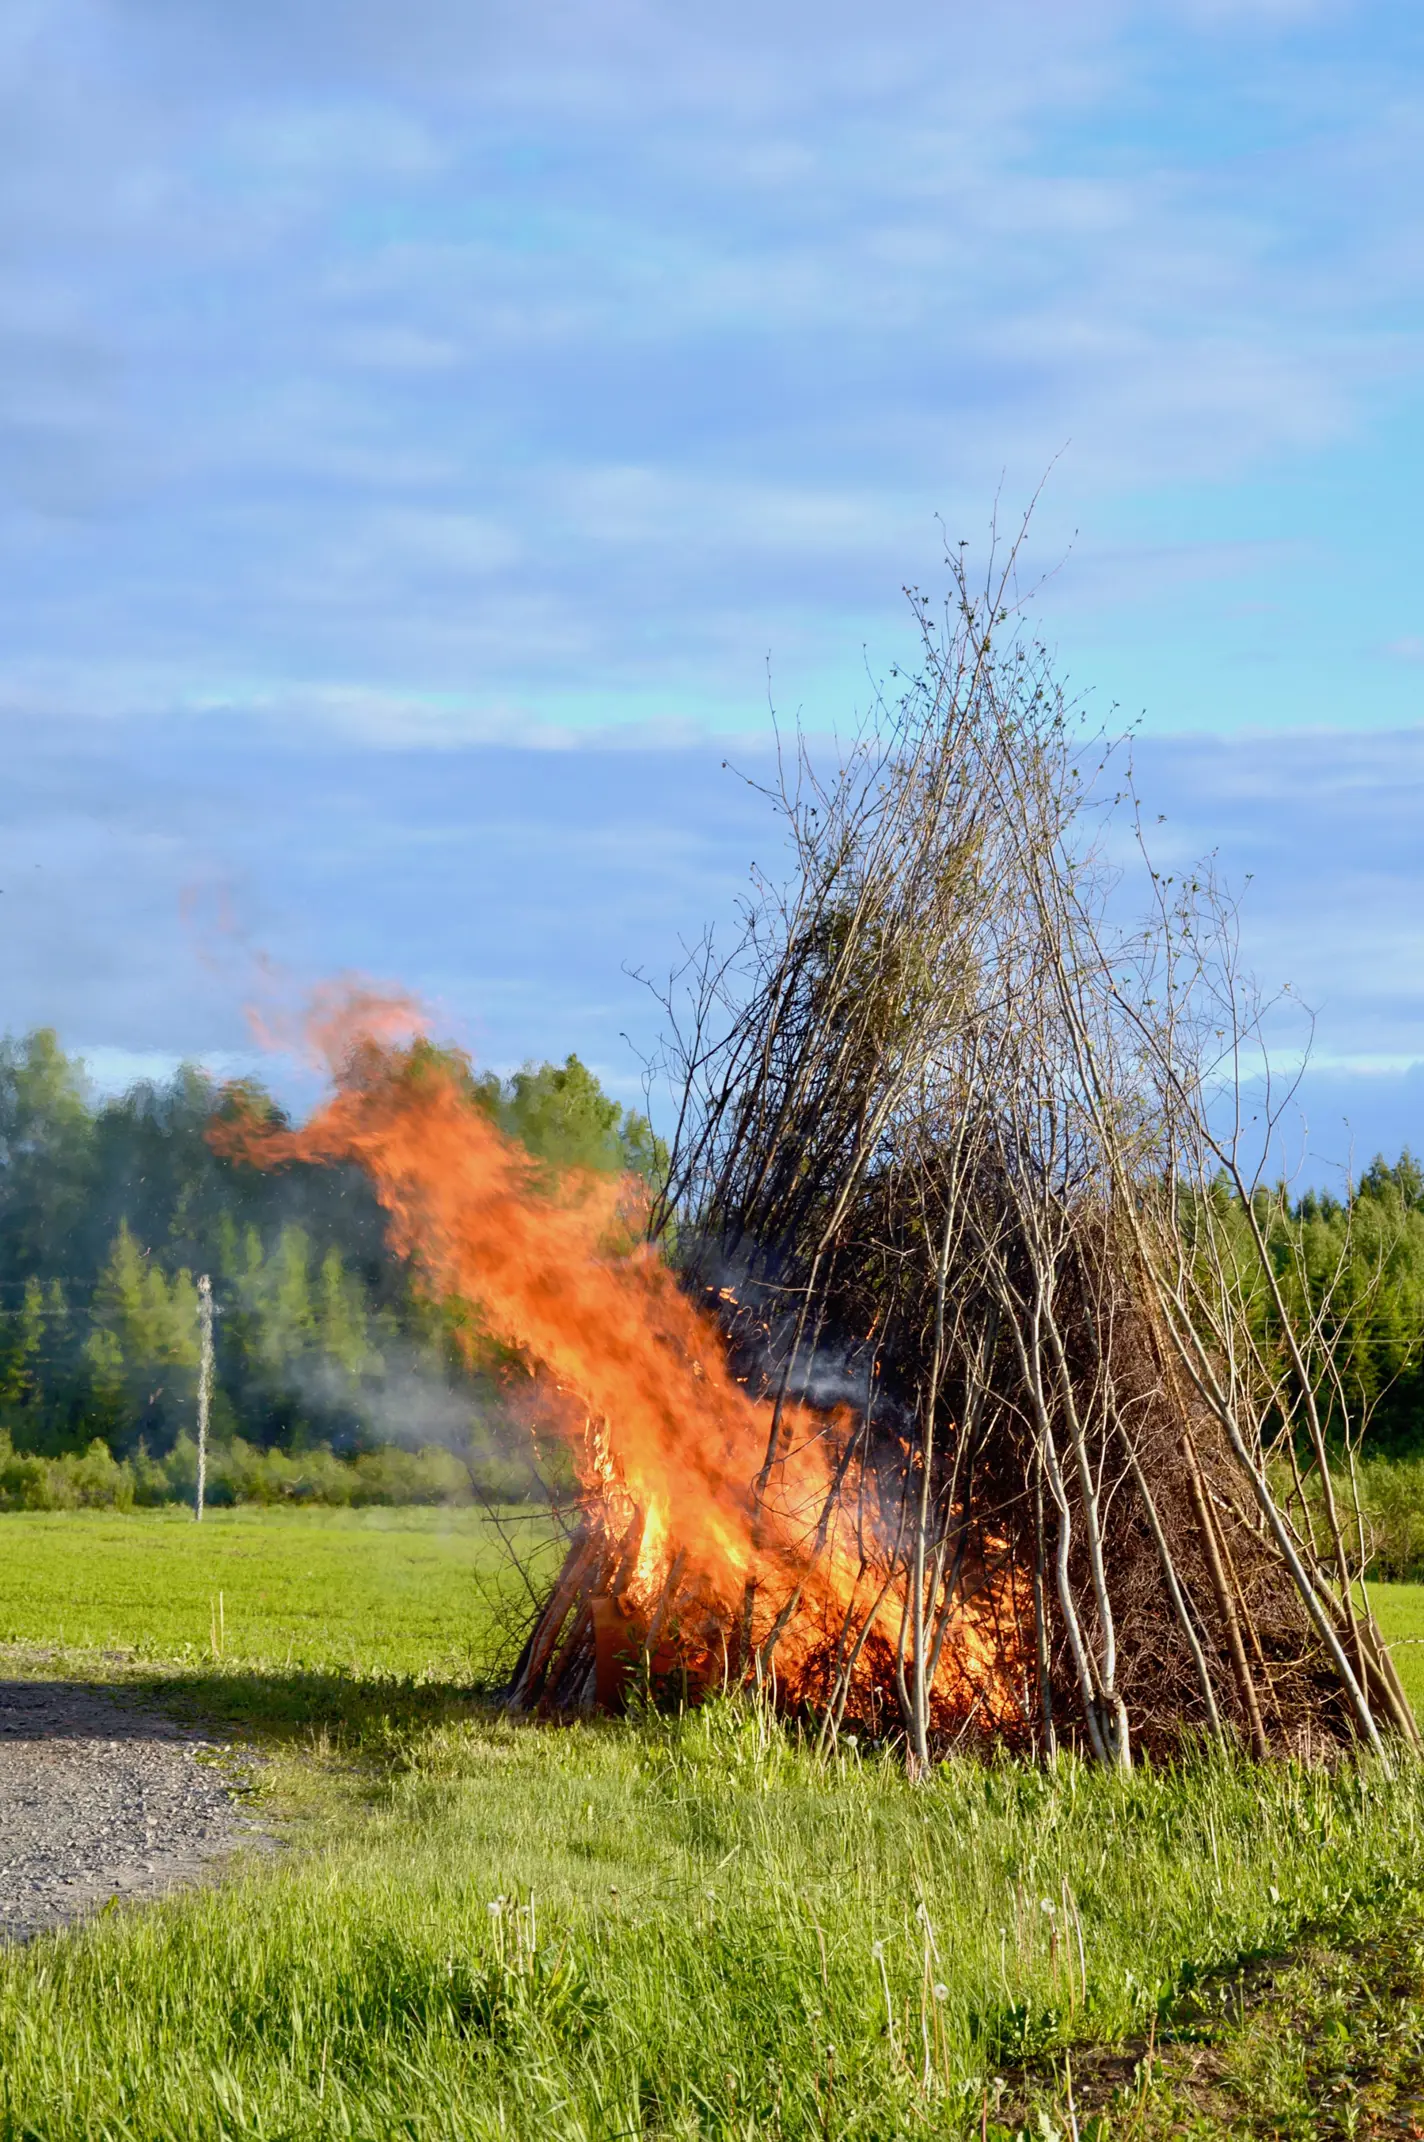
(947, 1388)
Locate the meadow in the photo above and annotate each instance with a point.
(671, 1927)
(1399, 1610)
(368, 1592)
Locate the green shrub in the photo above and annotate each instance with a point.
(405, 1476)
(1392, 1503)
(86, 1480)
(101, 1481)
(33, 1483)
(239, 1472)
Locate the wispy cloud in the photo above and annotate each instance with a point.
(384, 416)
(607, 349)
(513, 884)
(1319, 836)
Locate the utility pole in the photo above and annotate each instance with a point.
(205, 1385)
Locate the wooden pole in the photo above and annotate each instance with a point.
(205, 1386)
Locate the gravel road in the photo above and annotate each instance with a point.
(101, 1798)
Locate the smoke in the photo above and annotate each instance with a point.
(393, 1401)
(822, 1370)
(400, 1399)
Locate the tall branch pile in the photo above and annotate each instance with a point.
(951, 1154)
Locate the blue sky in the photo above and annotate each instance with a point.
(422, 425)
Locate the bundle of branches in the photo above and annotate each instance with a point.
(962, 1169)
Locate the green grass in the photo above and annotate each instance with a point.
(1399, 1610)
(672, 1928)
(1328, 2042)
(383, 1591)
(665, 1931)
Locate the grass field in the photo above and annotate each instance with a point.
(395, 1591)
(678, 1928)
(1399, 1610)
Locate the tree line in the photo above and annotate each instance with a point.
(111, 1207)
(1355, 1263)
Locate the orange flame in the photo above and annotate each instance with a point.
(636, 1376)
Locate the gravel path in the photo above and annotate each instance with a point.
(100, 1798)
